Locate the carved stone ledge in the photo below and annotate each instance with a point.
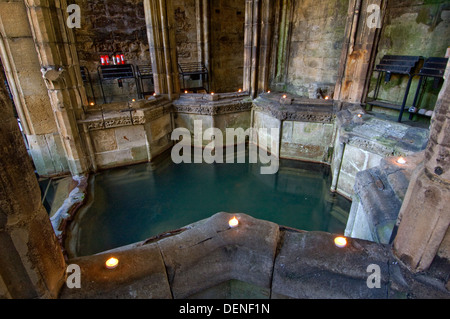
(126, 114)
(299, 109)
(222, 103)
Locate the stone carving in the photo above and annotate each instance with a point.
(214, 108)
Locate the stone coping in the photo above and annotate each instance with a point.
(207, 104)
(126, 113)
(380, 136)
(286, 263)
(143, 111)
(294, 108)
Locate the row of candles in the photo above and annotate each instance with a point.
(339, 241)
(115, 59)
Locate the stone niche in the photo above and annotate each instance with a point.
(131, 132)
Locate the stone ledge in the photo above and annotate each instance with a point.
(206, 104)
(287, 263)
(296, 109)
(126, 113)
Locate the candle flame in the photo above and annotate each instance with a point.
(112, 263)
(340, 242)
(401, 160)
(233, 222)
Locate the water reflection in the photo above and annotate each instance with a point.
(131, 204)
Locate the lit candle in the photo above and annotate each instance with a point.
(233, 222)
(401, 160)
(268, 91)
(212, 93)
(112, 263)
(360, 115)
(284, 96)
(340, 242)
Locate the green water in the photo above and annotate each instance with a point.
(131, 204)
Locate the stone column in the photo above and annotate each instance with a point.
(31, 99)
(425, 215)
(203, 23)
(60, 69)
(257, 36)
(267, 8)
(160, 21)
(358, 52)
(283, 11)
(31, 260)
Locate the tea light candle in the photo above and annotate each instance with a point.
(340, 242)
(112, 263)
(233, 222)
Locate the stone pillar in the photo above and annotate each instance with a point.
(425, 215)
(31, 99)
(267, 8)
(160, 21)
(358, 52)
(31, 260)
(257, 39)
(203, 36)
(60, 69)
(283, 11)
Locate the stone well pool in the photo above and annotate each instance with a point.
(128, 205)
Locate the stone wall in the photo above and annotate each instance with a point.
(306, 127)
(108, 27)
(111, 26)
(227, 45)
(186, 30)
(21, 65)
(315, 47)
(123, 138)
(416, 28)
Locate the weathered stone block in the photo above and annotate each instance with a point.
(309, 265)
(104, 140)
(140, 274)
(213, 251)
(48, 154)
